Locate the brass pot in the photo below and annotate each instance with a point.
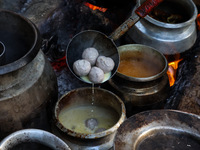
(83, 97)
(142, 93)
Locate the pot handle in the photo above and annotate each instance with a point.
(33, 135)
(139, 13)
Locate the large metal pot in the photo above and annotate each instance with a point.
(83, 97)
(142, 93)
(33, 136)
(168, 38)
(27, 81)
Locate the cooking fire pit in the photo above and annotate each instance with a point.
(61, 20)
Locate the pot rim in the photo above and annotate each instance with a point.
(94, 135)
(146, 79)
(169, 25)
(1, 54)
(33, 135)
(30, 55)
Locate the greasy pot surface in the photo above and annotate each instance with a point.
(159, 130)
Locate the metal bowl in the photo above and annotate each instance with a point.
(83, 96)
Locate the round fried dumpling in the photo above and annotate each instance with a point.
(90, 54)
(96, 75)
(105, 63)
(81, 67)
(91, 123)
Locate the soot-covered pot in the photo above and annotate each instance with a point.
(27, 81)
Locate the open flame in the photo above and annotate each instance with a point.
(198, 21)
(172, 68)
(93, 7)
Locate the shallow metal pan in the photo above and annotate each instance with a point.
(159, 130)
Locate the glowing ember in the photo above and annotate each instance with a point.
(173, 66)
(93, 7)
(198, 21)
(59, 64)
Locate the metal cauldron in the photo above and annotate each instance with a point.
(142, 93)
(27, 81)
(168, 38)
(33, 136)
(83, 97)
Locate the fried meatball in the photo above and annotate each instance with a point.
(91, 123)
(90, 54)
(105, 63)
(81, 67)
(96, 75)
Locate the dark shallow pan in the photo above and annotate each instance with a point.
(159, 130)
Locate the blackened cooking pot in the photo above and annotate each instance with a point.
(27, 81)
